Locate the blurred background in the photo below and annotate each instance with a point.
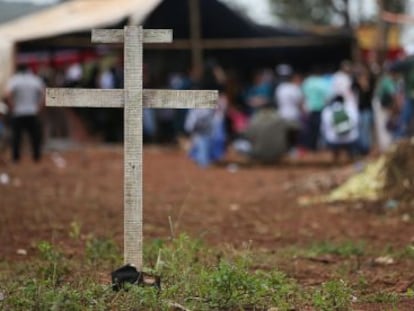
(243, 38)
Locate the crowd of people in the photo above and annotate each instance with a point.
(277, 112)
(283, 112)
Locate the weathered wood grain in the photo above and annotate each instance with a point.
(152, 98)
(133, 146)
(117, 35)
(62, 97)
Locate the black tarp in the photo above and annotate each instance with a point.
(220, 22)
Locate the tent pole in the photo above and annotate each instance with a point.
(195, 33)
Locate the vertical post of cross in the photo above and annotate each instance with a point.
(133, 40)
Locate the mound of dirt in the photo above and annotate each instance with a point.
(399, 172)
(390, 177)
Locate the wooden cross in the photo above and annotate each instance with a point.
(132, 98)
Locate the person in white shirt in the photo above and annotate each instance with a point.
(339, 126)
(25, 96)
(289, 100)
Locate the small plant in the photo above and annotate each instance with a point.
(333, 296)
(410, 293)
(345, 249)
(53, 266)
(101, 249)
(408, 252)
(233, 285)
(383, 297)
(75, 230)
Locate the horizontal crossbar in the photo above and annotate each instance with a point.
(117, 35)
(152, 98)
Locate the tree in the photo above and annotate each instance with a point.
(324, 12)
(312, 12)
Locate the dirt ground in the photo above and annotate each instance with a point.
(226, 204)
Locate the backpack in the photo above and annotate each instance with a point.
(341, 121)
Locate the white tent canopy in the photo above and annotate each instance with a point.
(75, 15)
(68, 17)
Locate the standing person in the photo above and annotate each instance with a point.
(340, 126)
(406, 68)
(289, 98)
(207, 126)
(3, 130)
(315, 91)
(25, 95)
(342, 83)
(364, 87)
(387, 108)
(261, 92)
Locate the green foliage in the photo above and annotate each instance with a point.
(101, 249)
(410, 293)
(402, 253)
(232, 285)
(53, 266)
(75, 230)
(345, 249)
(205, 281)
(319, 12)
(192, 275)
(384, 298)
(333, 296)
(323, 12)
(408, 252)
(35, 294)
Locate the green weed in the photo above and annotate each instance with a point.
(102, 250)
(345, 249)
(384, 298)
(192, 275)
(53, 266)
(333, 296)
(75, 230)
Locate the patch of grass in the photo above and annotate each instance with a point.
(102, 250)
(333, 296)
(407, 252)
(192, 275)
(383, 297)
(344, 249)
(52, 266)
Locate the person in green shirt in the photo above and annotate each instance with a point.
(316, 93)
